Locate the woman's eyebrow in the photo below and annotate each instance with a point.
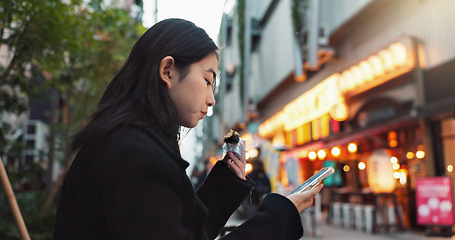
(212, 71)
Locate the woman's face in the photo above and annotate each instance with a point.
(193, 94)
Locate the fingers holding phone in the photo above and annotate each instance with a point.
(304, 200)
(310, 188)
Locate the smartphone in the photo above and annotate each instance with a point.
(315, 179)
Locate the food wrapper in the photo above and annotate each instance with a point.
(236, 146)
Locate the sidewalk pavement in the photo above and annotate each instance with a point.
(338, 233)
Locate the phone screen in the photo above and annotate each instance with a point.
(315, 179)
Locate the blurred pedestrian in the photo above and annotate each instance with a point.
(203, 175)
(262, 183)
(128, 180)
(261, 189)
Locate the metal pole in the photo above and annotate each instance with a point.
(313, 34)
(246, 60)
(424, 122)
(13, 203)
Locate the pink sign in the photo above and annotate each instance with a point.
(434, 201)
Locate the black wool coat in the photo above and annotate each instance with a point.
(130, 185)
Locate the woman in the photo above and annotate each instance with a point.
(128, 180)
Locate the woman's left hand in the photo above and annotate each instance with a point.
(235, 164)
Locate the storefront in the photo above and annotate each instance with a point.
(439, 115)
(363, 120)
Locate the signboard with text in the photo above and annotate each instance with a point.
(434, 201)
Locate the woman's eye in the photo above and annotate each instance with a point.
(208, 82)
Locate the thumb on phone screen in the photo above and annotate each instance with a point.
(305, 199)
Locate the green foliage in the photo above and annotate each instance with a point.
(28, 187)
(35, 29)
(73, 48)
(76, 47)
(5, 129)
(105, 38)
(39, 225)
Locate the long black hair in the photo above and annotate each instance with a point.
(136, 94)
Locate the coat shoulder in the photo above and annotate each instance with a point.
(133, 147)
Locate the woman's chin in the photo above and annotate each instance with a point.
(191, 125)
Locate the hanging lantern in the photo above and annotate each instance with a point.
(380, 172)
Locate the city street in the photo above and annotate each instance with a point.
(331, 232)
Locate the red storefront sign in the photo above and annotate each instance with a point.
(434, 201)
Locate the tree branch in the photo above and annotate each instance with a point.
(17, 53)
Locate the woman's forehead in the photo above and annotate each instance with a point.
(209, 64)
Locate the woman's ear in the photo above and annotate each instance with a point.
(166, 70)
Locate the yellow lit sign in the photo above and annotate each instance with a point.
(272, 125)
(377, 66)
(339, 112)
(279, 140)
(313, 104)
(376, 69)
(322, 99)
(328, 95)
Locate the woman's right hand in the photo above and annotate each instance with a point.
(304, 200)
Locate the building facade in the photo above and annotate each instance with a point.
(364, 86)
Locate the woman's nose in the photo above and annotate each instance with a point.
(211, 99)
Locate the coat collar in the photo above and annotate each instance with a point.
(158, 140)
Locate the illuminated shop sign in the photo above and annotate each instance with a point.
(272, 125)
(313, 104)
(312, 131)
(434, 201)
(378, 68)
(328, 96)
(324, 98)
